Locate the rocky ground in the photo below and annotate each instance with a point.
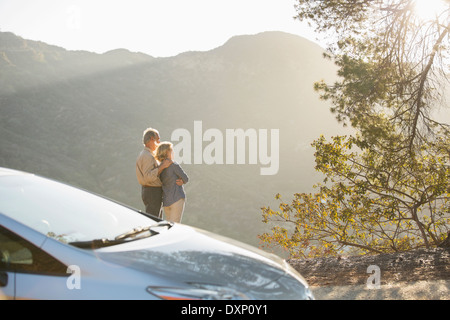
(418, 274)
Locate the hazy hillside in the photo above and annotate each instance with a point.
(78, 117)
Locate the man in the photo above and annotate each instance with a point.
(148, 171)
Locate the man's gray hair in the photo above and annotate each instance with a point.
(148, 134)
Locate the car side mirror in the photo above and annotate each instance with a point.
(3, 279)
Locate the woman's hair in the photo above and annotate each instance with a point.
(162, 152)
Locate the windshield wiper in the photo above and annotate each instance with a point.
(96, 243)
(138, 230)
(122, 238)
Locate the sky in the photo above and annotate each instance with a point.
(160, 28)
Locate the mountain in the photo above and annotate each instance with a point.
(78, 117)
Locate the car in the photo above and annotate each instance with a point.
(61, 242)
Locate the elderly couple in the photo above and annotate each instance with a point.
(161, 178)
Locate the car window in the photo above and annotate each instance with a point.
(65, 213)
(18, 255)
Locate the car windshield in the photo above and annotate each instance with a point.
(65, 213)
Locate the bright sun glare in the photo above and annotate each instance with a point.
(430, 9)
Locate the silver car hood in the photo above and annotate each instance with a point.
(191, 255)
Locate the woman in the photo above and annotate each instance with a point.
(174, 197)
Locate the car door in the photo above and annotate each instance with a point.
(26, 271)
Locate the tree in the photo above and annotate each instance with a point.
(370, 203)
(386, 188)
(390, 58)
